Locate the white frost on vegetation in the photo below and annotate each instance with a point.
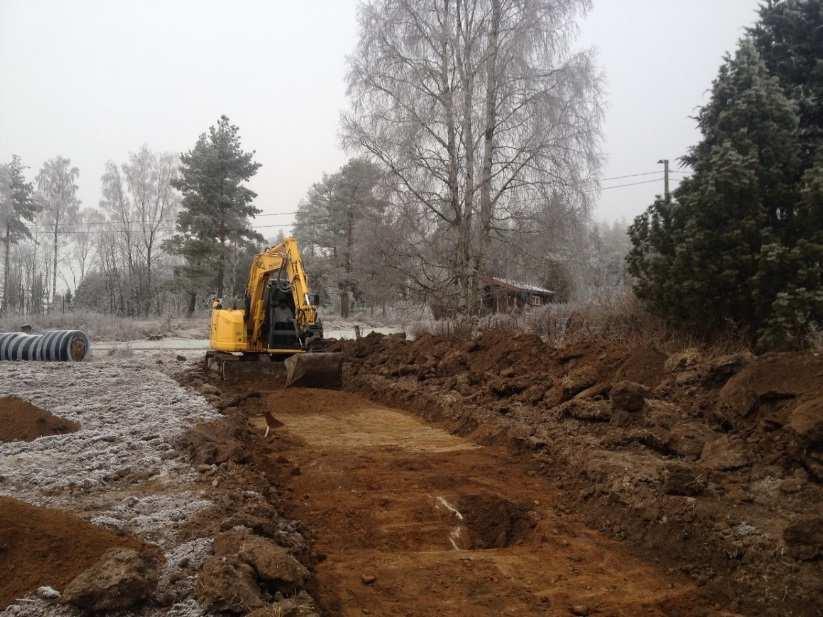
(130, 416)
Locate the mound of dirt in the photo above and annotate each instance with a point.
(22, 421)
(44, 546)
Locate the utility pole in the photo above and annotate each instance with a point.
(665, 163)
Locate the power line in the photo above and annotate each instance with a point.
(109, 224)
(620, 186)
(123, 231)
(645, 173)
(276, 213)
(138, 221)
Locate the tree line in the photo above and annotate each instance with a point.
(475, 129)
(169, 230)
(351, 234)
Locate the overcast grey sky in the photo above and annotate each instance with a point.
(93, 80)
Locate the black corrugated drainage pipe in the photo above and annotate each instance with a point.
(56, 345)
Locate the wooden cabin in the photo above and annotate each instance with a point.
(504, 295)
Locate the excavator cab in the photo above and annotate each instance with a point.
(279, 326)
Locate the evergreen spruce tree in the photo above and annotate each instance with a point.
(18, 208)
(722, 252)
(789, 37)
(215, 208)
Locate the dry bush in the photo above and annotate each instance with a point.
(460, 328)
(397, 314)
(97, 326)
(621, 319)
(618, 318)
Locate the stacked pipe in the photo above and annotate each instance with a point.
(52, 346)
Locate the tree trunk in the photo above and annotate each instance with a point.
(486, 205)
(54, 266)
(344, 302)
(147, 299)
(7, 252)
(192, 303)
(221, 269)
(457, 221)
(467, 75)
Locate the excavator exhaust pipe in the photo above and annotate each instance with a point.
(314, 370)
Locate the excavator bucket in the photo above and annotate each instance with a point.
(314, 370)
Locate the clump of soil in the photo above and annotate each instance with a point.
(216, 442)
(22, 421)
(44, 546)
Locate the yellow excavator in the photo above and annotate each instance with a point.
(278, 322)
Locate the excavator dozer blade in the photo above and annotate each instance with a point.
(314, 370)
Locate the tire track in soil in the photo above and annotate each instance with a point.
(407, 519)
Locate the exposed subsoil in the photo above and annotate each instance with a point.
(22, 421)
(49, 547)
(404, 518)
(710, 464)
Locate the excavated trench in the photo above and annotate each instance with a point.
(407, 519)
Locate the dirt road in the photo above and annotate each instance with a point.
(409, 520)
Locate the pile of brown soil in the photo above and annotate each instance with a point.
(22, 421)
(44, 546)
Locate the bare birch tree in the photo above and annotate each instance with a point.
(141, 203)
(149, 179)
(482, 112)
(57, 183)
(82, 248)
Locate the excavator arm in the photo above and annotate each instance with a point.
(284, 262)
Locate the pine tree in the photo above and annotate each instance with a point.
(215, 209)
(721, 253)
(17, 210)
(331, 221)
(789, 37)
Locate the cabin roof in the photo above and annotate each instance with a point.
(496, 281)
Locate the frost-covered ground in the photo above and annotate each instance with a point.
(130, 416)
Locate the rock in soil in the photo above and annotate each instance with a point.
(628, 396)
(724, 454)
(578, 380)
(273, 564)
(229, 585)
(48, 593)
(123, 578)
(807, 421)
